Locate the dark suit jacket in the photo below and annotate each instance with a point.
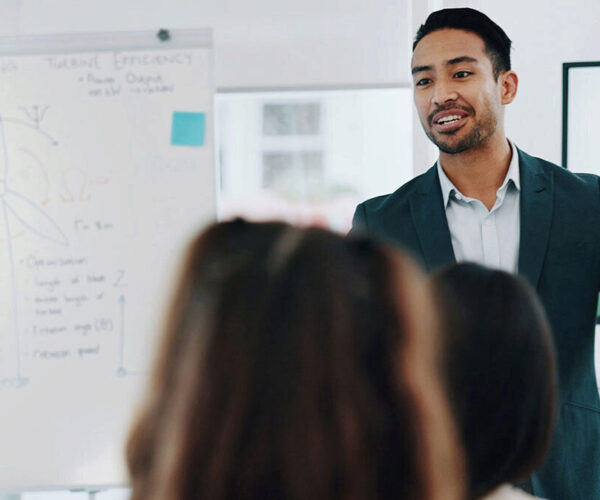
(560, 256)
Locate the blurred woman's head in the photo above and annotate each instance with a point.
(501, 369)
(295, 364)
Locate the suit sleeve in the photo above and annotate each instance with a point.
(359, 222)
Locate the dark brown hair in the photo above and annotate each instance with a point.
(497, 43)
(295, 364)
(501, 369)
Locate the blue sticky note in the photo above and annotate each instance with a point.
(188, 129)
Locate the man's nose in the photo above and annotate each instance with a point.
(444, 92)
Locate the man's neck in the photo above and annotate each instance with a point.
(478, 173)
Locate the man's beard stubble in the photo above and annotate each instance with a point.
(469, 142)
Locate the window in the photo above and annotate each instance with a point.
(309, 157)
(292, 119)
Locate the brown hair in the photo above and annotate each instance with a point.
(501, 368)
(295, 364)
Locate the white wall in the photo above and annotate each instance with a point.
(297, 43)
(259, 43)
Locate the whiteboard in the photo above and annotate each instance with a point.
(581, 105)
(106, 170)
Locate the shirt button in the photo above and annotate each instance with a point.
(458, 196)
(488, 222)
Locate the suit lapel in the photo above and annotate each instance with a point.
(429, 219)
(537, 194)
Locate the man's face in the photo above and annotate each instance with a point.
(458, 99)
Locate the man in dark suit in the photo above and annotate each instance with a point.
(487, 201)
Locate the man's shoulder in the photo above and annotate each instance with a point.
(402, 194)
(562, 176)
(383, 216)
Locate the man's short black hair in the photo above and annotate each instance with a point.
(497, 43)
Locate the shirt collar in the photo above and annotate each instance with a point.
(512, 175)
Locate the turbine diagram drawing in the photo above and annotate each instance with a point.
(18, 208)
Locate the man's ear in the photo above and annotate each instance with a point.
(509, 82)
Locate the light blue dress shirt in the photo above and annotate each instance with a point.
(488, 237)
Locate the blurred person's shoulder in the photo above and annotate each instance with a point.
(509, 492)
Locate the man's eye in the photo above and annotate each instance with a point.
(423, 81)
(462, 74)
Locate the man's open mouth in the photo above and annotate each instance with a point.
(449, 121)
